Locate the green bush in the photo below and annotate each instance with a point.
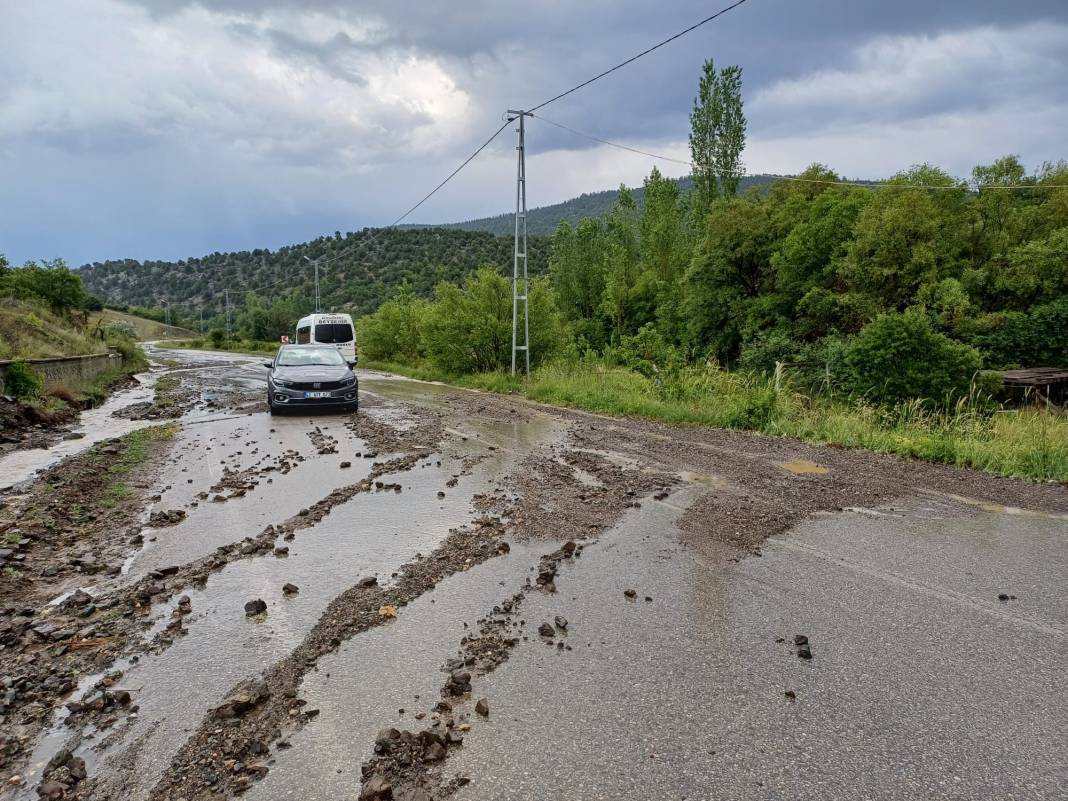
(468, 329)
(22, 381)
(217, 337)
(648, 352)
(898, 357)
(1035, 338)
(395, 331)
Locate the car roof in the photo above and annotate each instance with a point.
(308, 346)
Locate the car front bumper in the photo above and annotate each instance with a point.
(285, 396)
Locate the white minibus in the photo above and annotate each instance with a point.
(328, 329)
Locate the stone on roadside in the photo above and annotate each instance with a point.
(547, 630)
(482, 707)
(255, 607)
(630, 593)
(290, 589)
(377, 788)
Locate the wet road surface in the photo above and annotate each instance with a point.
(921, 683)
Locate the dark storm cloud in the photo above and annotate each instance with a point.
(258, 123)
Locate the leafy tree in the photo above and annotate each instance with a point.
(395, 331)
(717, 133)
(468, 329)
(730, 272)
(50, 282)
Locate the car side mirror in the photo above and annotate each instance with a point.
(352, 365)
(269, 365)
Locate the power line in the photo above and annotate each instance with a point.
(452, 174)
(593, 138)
(861, 184)
(634, 58)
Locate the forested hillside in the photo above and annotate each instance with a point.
(369, 266)
(544, 220)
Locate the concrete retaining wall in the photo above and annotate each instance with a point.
(68, 369)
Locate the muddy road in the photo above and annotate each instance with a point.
(451, 594)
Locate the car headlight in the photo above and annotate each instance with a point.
(281, 382)
(348, 382)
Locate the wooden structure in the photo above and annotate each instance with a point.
(1046, 385)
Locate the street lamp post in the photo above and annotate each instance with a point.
(315, 262)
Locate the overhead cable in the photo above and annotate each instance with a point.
(645, 52)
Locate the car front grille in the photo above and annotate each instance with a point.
(317, 385)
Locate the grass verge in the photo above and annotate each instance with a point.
(138, 447)
(1019, 443)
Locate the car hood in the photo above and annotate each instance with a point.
(312, 373)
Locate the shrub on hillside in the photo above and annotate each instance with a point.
(22, 381)
(898, 357)
(217, 337)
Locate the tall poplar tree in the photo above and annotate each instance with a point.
(717, 133)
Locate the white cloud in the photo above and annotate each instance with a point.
(901, 77)
(221, 80)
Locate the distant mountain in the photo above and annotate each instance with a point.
(543, 220)
(362, 268)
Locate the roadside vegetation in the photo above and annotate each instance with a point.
(870, 317)
(45, 312)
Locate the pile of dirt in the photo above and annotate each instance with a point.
(24, 425)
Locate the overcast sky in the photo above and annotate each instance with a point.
(166, 129)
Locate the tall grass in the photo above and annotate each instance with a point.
(1022, 443)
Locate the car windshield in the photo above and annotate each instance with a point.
(309, 357)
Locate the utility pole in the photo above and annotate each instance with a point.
(520, 281)
(316, 263)
(227, 293)
(202, 321)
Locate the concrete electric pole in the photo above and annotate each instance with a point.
(520, 281)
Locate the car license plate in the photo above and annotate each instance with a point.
(316, 394)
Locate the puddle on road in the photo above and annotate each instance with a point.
(202, 452)
(659, 698)
(361, 688)
(803, 467)
(96, 424)
(986, 506)
(367, 535)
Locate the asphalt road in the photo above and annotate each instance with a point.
(922, 684)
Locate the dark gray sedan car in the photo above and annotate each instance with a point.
(311, 376)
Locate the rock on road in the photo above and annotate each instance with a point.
(458, 594)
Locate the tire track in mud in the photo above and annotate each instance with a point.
(118, 617)
(231, 747)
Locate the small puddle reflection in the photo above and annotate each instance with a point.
(802, 467)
